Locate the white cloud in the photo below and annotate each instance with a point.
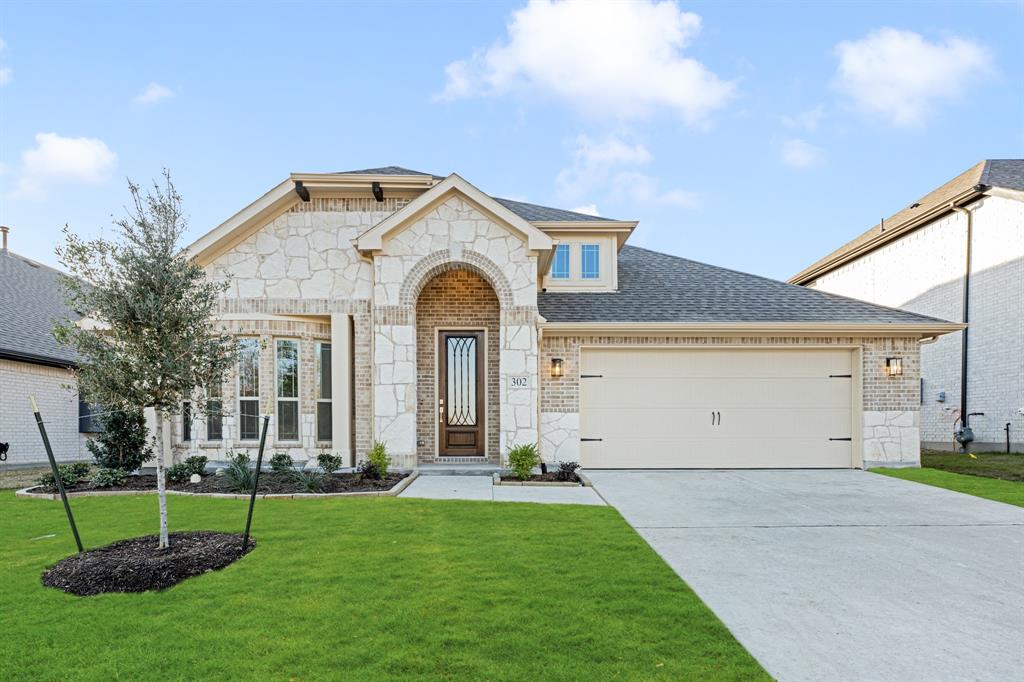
(644, 189)
(806, 120)
(587, 209)
(797, 153)
(899, 75)
(153, 93)
(621, 59)
(56, 160)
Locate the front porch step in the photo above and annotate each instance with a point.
(446, 469)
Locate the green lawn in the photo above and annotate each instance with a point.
(989, 464)
(370, 588)
(1011, 492)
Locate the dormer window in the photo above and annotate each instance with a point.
(560, 264)
(590, 261)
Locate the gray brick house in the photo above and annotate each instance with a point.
(963, 242)
(414, 309)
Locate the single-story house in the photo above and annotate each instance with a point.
(391, 305)
(33, 363)
(956, 253)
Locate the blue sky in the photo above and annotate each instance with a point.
(755, 136)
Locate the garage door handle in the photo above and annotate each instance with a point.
(840, 376)
(840, 439)
(590, 440)
(716, 418)
(591, 376)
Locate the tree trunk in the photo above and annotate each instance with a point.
(161, 480)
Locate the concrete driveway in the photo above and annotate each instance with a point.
(841, 575)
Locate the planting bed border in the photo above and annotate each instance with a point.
(392, 492)
(584, 482)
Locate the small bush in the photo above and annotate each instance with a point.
(196, 464)
(367, 469)
(178, 473)
(567, 471)
(328, 462)
(109, 478)
(122, 444)
(282, 463)
(310, 481)
(70, 475)
(240, 477)
(379, 457)
(522, 459)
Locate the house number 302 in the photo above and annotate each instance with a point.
(518, 382)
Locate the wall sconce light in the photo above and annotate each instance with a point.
(556, 367)
(894, 367)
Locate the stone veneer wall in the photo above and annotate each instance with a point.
(456, 298)
(891, 409)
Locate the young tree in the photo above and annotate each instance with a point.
(153, 342)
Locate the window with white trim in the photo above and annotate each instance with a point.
(248, 389)
(324, 412)
(560, 263)
(590, 261)
(287, 389)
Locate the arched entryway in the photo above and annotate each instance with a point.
(458, 346)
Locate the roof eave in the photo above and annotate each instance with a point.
(923, 329)
(34, 359)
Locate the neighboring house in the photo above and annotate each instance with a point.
(32, 363)
(392, 305)
(920, 259)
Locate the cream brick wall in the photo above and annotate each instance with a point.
(923, 272)
(890, 406)
(57, 405)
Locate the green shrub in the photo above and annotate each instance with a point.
(367, 469)
(379, 457)
(178, 473)
(522, 459)
(240, 477)
(109, 478)
(328, 462)
(70, 475)
(309, 481)
(567, 471)
(281, 463)
(196, 464)
(123, 442)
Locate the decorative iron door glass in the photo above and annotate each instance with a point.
(460, 394)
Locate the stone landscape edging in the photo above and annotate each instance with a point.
(27, 493)
(583, 482)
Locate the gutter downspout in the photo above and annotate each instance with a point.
(964, 419)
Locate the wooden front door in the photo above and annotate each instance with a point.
(460, 394)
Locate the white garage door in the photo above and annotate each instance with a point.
(682, 408)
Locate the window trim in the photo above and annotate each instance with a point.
(583, 262)
(248, 399)
(298, 392)
(567, 250)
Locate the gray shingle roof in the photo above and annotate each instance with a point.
(31, 301)
(657, 287)
(387, 170)
(1008, 173)
(533, 212)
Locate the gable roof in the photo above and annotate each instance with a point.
(659, 288)
(31, 302)
(372, 238)
(969, 185)
(540, 214)
(388, 170)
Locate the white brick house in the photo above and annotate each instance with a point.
(32, 363)
(387, 304)
(918, 260)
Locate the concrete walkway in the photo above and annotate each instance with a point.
(482, 488)
(841, 575)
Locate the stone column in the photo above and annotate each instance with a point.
(394, 383)
(341, 386)
(519, 381)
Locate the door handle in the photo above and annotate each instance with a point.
(716, 418)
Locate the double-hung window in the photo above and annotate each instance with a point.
(287, 389)
(323, 391)
(214, 413)
(560, 263)
(590, 261)
(248, 389)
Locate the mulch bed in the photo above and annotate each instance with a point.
(550, 477)
(270, 483)
(136, 565)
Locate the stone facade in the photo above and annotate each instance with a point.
(53, 388)
(455, 299)
(923, 272)
(894, 400)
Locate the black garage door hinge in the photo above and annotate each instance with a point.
(840, 439)
(588, 440)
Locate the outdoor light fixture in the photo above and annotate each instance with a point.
(894, 367)
(556, 367)
(378, 191)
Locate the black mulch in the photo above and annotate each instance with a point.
(136, 565)
(550, 477)
(269, 483)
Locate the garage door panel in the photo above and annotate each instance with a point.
(652, 408)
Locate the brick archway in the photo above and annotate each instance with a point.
(444, 260)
